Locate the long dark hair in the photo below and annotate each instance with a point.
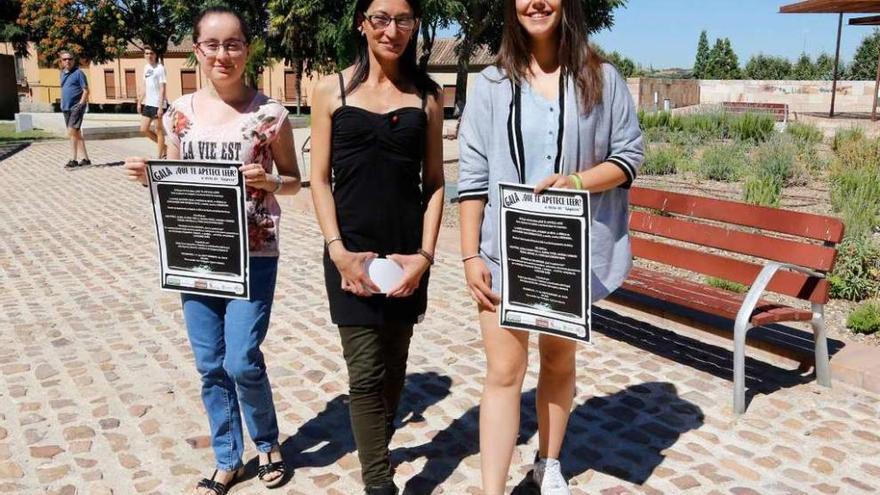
(576, 56)
(409, 64)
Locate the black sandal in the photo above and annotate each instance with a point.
(269, 468)
(215, 486)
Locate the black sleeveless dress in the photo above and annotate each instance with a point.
(376, 160)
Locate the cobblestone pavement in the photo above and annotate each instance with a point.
(99, 395)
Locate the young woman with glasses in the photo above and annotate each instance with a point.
(579, 130)
(377, 184)
(230, 121)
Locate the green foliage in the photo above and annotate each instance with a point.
(804, 133)
(663, 160)
(762, 189)
(855, 186)
(763, 67)
(864, 64)
(856, 274)
(701, 62)
(723, 62)
(720, 283)
(845, 136)
(754, 127)
(723, 162)
(865, 318)
(624, 65)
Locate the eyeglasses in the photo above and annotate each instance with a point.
(382, 21)
(212, 47)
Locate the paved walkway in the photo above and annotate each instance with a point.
(99, 395)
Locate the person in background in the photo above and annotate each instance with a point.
(151, 101)
(74, 102)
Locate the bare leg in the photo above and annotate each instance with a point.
(160, 137)
(74, 142)
(145, 129)
(555, 392)
(81, 142)
(506, 360)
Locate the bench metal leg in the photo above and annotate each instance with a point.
(739, 366)
(823, 373)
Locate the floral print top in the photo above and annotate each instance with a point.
(247, 140)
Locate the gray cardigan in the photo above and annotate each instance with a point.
(491, 149)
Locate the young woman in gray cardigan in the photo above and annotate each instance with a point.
(550, 113)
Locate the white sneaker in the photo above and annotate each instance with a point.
(548, 476)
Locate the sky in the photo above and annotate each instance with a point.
(664, 33)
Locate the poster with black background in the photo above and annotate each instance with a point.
(545, 261)
(199, 208)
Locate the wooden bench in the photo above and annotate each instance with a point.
(767, 249)
(778, 110)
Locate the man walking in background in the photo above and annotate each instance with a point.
(74, 101)
(151, 99)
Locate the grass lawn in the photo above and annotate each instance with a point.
(8, 134)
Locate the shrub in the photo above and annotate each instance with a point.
(723, 162)
(855, 275)
(845, 136)
(805, 133)
(865, 318)
(664, 120)
(721, 283)
(752, 127)
(855, 185)
(763, 189)
(706, 125)
(661, 160)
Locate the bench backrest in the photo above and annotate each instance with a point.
(721, 236)
(778, 110)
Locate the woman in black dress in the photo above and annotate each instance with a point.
(377, 184)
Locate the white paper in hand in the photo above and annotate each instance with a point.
(385, 273)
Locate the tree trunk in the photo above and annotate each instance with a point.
(297, 73)
(465, 50)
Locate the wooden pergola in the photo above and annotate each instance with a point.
(841, 7)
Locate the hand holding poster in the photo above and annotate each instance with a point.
(201, 226)
(545, 264)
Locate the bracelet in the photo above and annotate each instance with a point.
(578, 182)
(332, 240)
(468, 258)
(279, 183)
(428, 256)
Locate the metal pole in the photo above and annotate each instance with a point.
(876, 90)
(836, 64)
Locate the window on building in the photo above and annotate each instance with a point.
(110, 84)
(289, 85)
(188, 81)
(20, 74)
(260, 83)
(130, 83)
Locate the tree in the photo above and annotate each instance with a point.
(89, 29)
(702, 60)
(10, 30)
(804, 69)
(723, 62)
(147, 23)
(763, 67)
(624, 65)
(864, 64)
(309, 35)
(825, 67)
